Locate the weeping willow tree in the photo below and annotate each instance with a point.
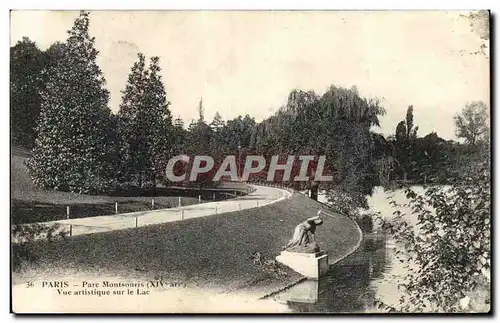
(336, 124)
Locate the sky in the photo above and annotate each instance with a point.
(246, 62)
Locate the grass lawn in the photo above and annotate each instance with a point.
(31, 204)
(209, 252)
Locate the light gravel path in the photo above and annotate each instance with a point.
(261, 195)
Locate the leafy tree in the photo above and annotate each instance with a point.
(406, 134)
(27, 81)
(179, 135)
(341, 129)
(159, 121)
(384, 162)
(238, 133)
(337, 124)
(176, 147)
(55, 53)
(237, 136)
(268, 137)
(201, 111)
(447, 253)
(145, 123)
(199, 134)
(217, 140)
(199, 137)
(433, 159)
(130, 126)
(472, 123)
(74, 148)
(218, 123)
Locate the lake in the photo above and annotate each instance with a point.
(353, 284)
(350, 286)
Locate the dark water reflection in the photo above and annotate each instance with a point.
(350, 286)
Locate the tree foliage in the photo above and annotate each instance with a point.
(427, 159)
(472, 123)
(74, 148)
(405, 137)
(448, 251)
(336, 124)
(144, 123)
(159, 120)
(199, 134)
(27, 80)
(23, 237)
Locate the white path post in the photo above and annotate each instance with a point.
(67, 212)
(213, 196)
(152, 204)
(179, 201)
(116, 207)
(199, 198)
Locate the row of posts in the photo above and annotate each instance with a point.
(137, 217)
(152, 207)
(152, 204)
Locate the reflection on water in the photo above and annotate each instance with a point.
(351, 285)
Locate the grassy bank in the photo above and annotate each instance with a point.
(210, 252)
(31, 204)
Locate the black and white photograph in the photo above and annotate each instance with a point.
(250, 161)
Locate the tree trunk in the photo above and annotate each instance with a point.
(154, 183)
(314, 191)
(139, 181)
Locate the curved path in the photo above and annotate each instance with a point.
(262, 195)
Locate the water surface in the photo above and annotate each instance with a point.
(350, 286)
